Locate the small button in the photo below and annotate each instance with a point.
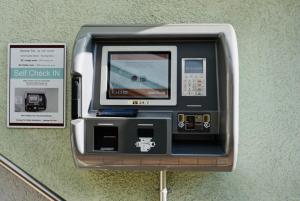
(206, 118)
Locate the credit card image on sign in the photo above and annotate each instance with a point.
(194, 77)
(138, 75)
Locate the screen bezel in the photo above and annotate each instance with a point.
(171, 100)
(140, 52)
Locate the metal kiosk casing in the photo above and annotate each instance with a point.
(197, 129)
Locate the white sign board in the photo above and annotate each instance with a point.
(36, 85)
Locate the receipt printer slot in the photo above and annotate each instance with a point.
(145, 132)
(105, 138)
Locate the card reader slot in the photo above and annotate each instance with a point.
(76, 96)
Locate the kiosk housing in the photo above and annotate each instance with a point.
(155, 97)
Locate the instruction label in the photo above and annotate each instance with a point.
(36, 85)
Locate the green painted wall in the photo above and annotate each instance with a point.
(268, 34)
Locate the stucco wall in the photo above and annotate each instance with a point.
(268, 34)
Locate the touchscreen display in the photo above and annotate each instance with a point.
(138, 75)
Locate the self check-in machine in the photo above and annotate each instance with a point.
(155, 97)
(35, 102)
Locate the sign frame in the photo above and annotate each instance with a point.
(9, 61)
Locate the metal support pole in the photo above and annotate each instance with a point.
(163, 185)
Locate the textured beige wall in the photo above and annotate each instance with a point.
(268, 34)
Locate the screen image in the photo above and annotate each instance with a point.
(139, 75)
(33, 98)
(193, 66)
